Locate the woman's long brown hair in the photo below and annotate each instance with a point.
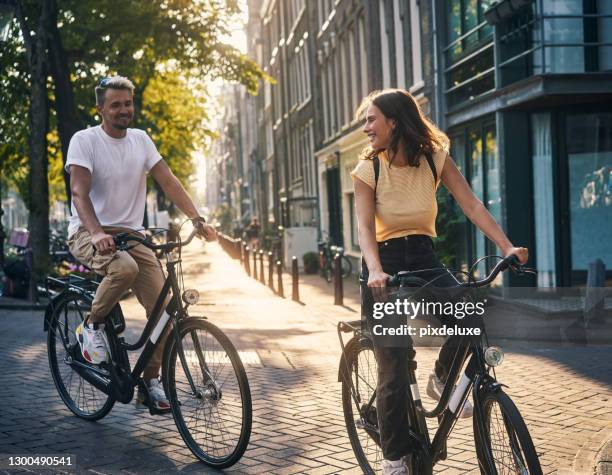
(419, 134)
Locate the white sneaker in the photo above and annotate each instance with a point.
(156, 399)
(93, 342)
(434, 391)
(394, 467)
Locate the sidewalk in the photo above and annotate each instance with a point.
(291, 355)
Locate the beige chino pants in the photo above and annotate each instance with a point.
(137, 269)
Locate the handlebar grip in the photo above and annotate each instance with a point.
(393, 281)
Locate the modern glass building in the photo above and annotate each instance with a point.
(526, 97)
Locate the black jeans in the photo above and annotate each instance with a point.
(407, 253)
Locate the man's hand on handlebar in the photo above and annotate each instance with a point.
(103, 243)
(204, 230)
(522, 254)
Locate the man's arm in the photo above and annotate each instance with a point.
(80, 185)
(174, 190)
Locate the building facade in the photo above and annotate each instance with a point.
(526, 101)
(522, 88)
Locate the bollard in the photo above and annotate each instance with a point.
(255, 264)
(247, 262)
(338, 290)
(295, 294)
(594, 299)
(32, 288)
(279, 271)
(271, 270)
(262, 277)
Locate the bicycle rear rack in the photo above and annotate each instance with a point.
(73, 281)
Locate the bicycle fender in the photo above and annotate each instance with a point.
(51, 308)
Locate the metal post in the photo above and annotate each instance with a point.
(295, 276)
(279, 272)
(255, 264)
(242, 246)
(262, 277)
(32, 290)
(338, 290)
(247, 262)
(271, 270)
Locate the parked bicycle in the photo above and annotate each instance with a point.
(202, 374)
(502, 440)
(326, 261)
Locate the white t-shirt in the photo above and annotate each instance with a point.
(118, 174)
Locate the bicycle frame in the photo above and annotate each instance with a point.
(475, 373)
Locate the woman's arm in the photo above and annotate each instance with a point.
(476, 212)
(365, 208)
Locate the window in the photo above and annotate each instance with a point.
(469, 55)
(354, 227)
(384, 45)
(346, 84)
(474, 149)
(398, 28)
(325, 94)
(353, 72)
(415, 43)
(363, 54)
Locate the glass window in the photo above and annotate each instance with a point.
(474, 146)
(543, 199)
(354, 228)
(589, 149)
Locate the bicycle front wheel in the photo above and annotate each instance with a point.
(506, 446)
(214, 416)
(81, 397)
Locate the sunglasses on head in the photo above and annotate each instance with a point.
(104, 82)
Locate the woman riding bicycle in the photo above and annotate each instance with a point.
(395, 197)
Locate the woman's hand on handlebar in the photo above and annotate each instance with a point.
(377, 282)
(521, 253)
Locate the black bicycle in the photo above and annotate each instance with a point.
(202, 374)
(502, 441)
(326, 261)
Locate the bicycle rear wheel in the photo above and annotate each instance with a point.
(81, 397)
(359, 371)
(215, 422)
(506, 443)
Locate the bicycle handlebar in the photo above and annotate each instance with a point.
(122, 239)
(510, 261)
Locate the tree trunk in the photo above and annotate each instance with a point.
(38, 120)
(68, 119)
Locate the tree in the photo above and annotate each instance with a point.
(35, 40)
(179, 36)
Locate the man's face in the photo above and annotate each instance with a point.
(118, 108)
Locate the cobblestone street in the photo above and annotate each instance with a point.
(291, 354)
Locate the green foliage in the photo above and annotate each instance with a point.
(449, 226)
(169, 48)
(311, 262)
(224, 215)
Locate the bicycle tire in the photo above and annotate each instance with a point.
(366, 449)
(520, 455)
(87, 402)
(211, 398)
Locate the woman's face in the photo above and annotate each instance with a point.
(378, 128)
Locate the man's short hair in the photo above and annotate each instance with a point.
(114, 82)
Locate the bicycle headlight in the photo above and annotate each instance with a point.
(494, 355)
(191, 296)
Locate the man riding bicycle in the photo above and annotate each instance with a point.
(108, 165)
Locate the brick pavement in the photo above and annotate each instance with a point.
(565, 393)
